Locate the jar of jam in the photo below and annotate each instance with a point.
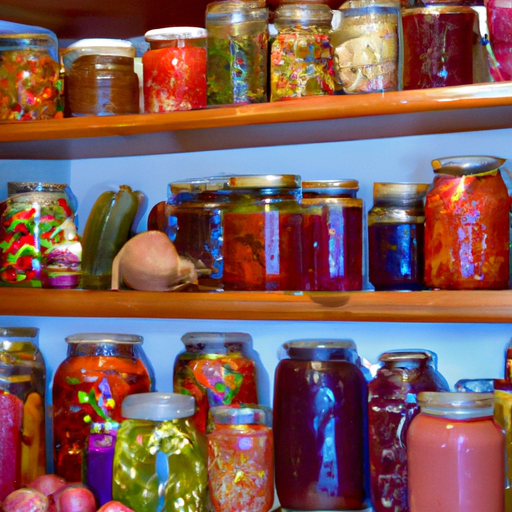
(499, 20)
(320, 426)
(89, 386)
(39, 245)
(332, 235)
(467, 225)
(216, 368)
(160, 462)
(392, 403)
(395, 236)
(22, 408)
(455, 454)
(241, 443)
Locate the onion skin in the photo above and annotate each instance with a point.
(115, 506)
(47, 484)
(25, 500)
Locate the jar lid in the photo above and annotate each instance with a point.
(405, 356)
(321, 350)
(307, 13)
(456, 405)
(97, 46)
(467, 165)
(234, 12)
(261, 181)
(330, 186)
(102, 337)
(242, 414)
(21, 187)
(169, 33)
(196, 338)
(17, 35)
(19, 334)
(158, 406)
(400, 190)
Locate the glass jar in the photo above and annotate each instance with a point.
(262, 234)
(160, 462)
(237, 51)
(366, 46)
(39, 245)
(216, 369)
(241, 443)
(395, 236)
(320, 426)
(332, 235)
(89, 386)
(31, 87)
(301, 60)
(455, 454)
(467, 225)
(474, 385)
(499, 21)
(392, 404)
(101, 78)
(22, 408)
(175, 69)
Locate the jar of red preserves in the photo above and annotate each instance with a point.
(499, 20)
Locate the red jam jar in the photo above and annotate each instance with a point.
(499, 21)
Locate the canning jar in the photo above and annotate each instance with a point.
(395, 236)
(455, 454)
(332, 235)
(241, 459)
(237, 51)
(22, 408)
(499, 20)
(320, 426)
(39, 245)
(216, 368)
(392, 404)
(467, 225)
(175, 69)
(160, 462)
(503, 415)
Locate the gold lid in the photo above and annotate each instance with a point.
(331, 184)
(260, 181)
(399, 190)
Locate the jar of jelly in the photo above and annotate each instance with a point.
(455, 453)
(237, 51)
(395, 236)
(241, 458)
(332, 235)
(467, 225)
(175, 69)
(22, 408)
(160, 462)
(499, 20)
(89, 386)
(392, 403)
(216, 368)
(320, 426)
(262, 234)
(39, 245)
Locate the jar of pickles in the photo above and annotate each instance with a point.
(22, 408)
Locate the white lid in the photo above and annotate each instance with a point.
(165, 34)
(157, 406)
(97, 46)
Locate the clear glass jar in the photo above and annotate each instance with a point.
(499, 21)
(39, 245)
(455, 454)
(22, 408)
(237, 61)
(395, 236)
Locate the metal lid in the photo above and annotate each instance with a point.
(157, 406)
(21, 187)
(467, 165)
(321, 350)
(97, 46)
(19, 334)
(330, 186)
(307, 14)
(262, 181)
(101, 337)
(169, 33)
(400, 190)
(195, 338)
(456, 405)
(242, 414)
(235, 12)
(405, 355)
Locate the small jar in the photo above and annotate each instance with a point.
(301, 60)
(455, 454)
(237, 51)
(22, 409)
(499, 20)
(332, 235)
(241, 443)
(39, 245)
(216, 369)
(175, 69)
(395, 236)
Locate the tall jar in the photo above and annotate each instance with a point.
(332, 235)
(39, 245)
(237, 51)
(216, 368)
(262, 234)
(320, 426)
(455, 454)
(301, 60)
(499, 20)
(392, 404)
(160, 462)
(22, 408)
(467, 225)
(89, 386)
(395, 236)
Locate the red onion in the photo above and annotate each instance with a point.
(25, 500)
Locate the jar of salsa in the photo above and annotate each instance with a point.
(22, 408)
(89, 386)
(332, 235)
(241, 458)
(160, 462)
(320, 426)
(216, 369)
(467, 225)
(392, 403)
(455, 454)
